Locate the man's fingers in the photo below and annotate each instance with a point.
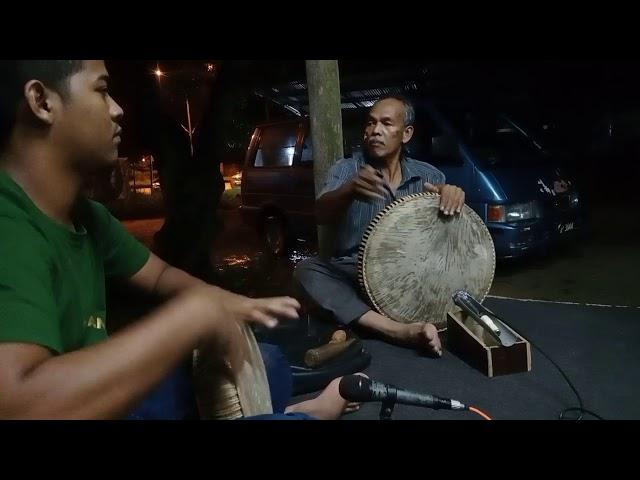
(370, 174)
(435, 346)
(428, 333)
(459, 200)
(385, 184)
(452, 200)
(461, 197)
(374, 183)
(367, 192)
(278, 307)
(285, 302)
(280, 311)
(433, 340)
(445, 201)
(259, 316)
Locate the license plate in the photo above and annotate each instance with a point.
(565, 227)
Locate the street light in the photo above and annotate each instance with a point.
(158, 73)
(188, 128)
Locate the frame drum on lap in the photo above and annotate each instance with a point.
(412, 259)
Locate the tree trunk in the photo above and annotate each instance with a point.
(323, 83)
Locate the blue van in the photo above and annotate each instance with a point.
(509, 178)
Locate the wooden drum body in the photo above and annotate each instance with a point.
(220, 394)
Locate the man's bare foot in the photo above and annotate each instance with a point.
(329, 405)
(421, 335)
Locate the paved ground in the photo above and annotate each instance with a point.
(600, 270)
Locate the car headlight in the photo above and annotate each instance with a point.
(514, 212)
(574, 199)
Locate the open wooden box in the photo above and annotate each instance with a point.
(466, 339)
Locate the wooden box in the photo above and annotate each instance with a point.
(467, 340)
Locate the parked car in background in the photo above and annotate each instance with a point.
(510, 180)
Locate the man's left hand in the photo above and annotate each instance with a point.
(451, 197)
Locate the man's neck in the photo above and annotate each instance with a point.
(388, 163)
(42, 173)
(392, 166)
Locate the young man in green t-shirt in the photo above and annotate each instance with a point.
(58, 124)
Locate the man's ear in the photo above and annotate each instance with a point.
(41, 100)
(407, 134)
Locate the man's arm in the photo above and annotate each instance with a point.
(107, 379)
(332, 205)
(101, 381)
(157, 277)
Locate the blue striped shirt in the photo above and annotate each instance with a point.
(360, 213)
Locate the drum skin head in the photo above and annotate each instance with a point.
(412, 259)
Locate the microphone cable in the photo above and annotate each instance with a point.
(562, 416)
(479, 412)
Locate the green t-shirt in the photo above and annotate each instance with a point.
(52, 280)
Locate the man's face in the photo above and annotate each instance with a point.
(87, 125)
(386, 132)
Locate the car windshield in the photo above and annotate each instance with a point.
(494, 137)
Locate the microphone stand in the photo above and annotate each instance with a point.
(389, 403)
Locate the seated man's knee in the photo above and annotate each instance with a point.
(305, 270)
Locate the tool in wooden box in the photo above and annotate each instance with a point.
(484, 317)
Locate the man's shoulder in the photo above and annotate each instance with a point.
(13, 222)
(94, 209)
(13, 214)
(93, 214)
(419, 164)
(17, 222)
(21, 238)
(344, 163)
(12, 204)
(422, 167)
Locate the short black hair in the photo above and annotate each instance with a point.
(15, 73)
(409, 110)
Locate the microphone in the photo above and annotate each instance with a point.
(481, 315)
(356, 388)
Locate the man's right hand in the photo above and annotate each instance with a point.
(214, 304)
(369, 184)
(221, 315)
(266, 311)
